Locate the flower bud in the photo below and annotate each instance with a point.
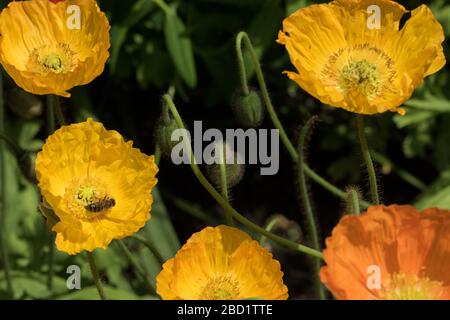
(234, 172)
(248, 109)
(163, 133)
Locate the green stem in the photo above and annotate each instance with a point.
(136, 265)
(269, 226)
(50, 114)
(95, 276)
(310, 218)
(3, 236)
(368, 160)
(54, 112)
(242, 37)
(149, 246)
(224, 185)
(226, 206)
(354, 202)
(241, 63)
(163, 6)
(157, 155)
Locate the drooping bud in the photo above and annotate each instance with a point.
(353, 197)
(225, 164)
(284, 227)
(24, 104)
(248, 109)
(165, 126)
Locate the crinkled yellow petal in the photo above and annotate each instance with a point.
(35, 32)
(221, 261)
(86, 153)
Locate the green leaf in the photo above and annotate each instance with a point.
(437, 195)
(33, 285)
(180, 47)
(159, 231)
(91, 293)
(412, 117)
(119, 32)
(431, 103)
(263, 30)
(118, 37)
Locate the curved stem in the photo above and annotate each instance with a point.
(226, 206)
(368, 160)
(149, 246)
(136, 265)
(242, 37)
(241, 63)
(224, 184)
(163, 6)
(310, 218)
(95, 276)
(269, 226)
(4, 247)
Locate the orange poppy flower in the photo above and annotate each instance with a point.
(390, 253)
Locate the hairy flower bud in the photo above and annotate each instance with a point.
(248, 109)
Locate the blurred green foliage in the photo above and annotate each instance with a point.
(189, 45)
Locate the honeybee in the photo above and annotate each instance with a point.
(101, 205)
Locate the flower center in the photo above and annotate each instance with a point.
(361, 77)
(54, 58)
(220, 288)
(88, 198)
(53, 61)
(411, 287)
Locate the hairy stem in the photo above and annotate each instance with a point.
(95, 276)
(368, 160)
(313, 230)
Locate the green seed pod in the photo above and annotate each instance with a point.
(163, 133)
(248, 109)
(234, 172)
(24, 104)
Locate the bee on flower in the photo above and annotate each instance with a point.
(98, 185)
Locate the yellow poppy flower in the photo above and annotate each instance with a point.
(346, 61)
(49, 48)
(221, 263)
(97, 184)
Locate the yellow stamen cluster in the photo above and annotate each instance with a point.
(411, 287)
(360, 77)
(220, 288)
